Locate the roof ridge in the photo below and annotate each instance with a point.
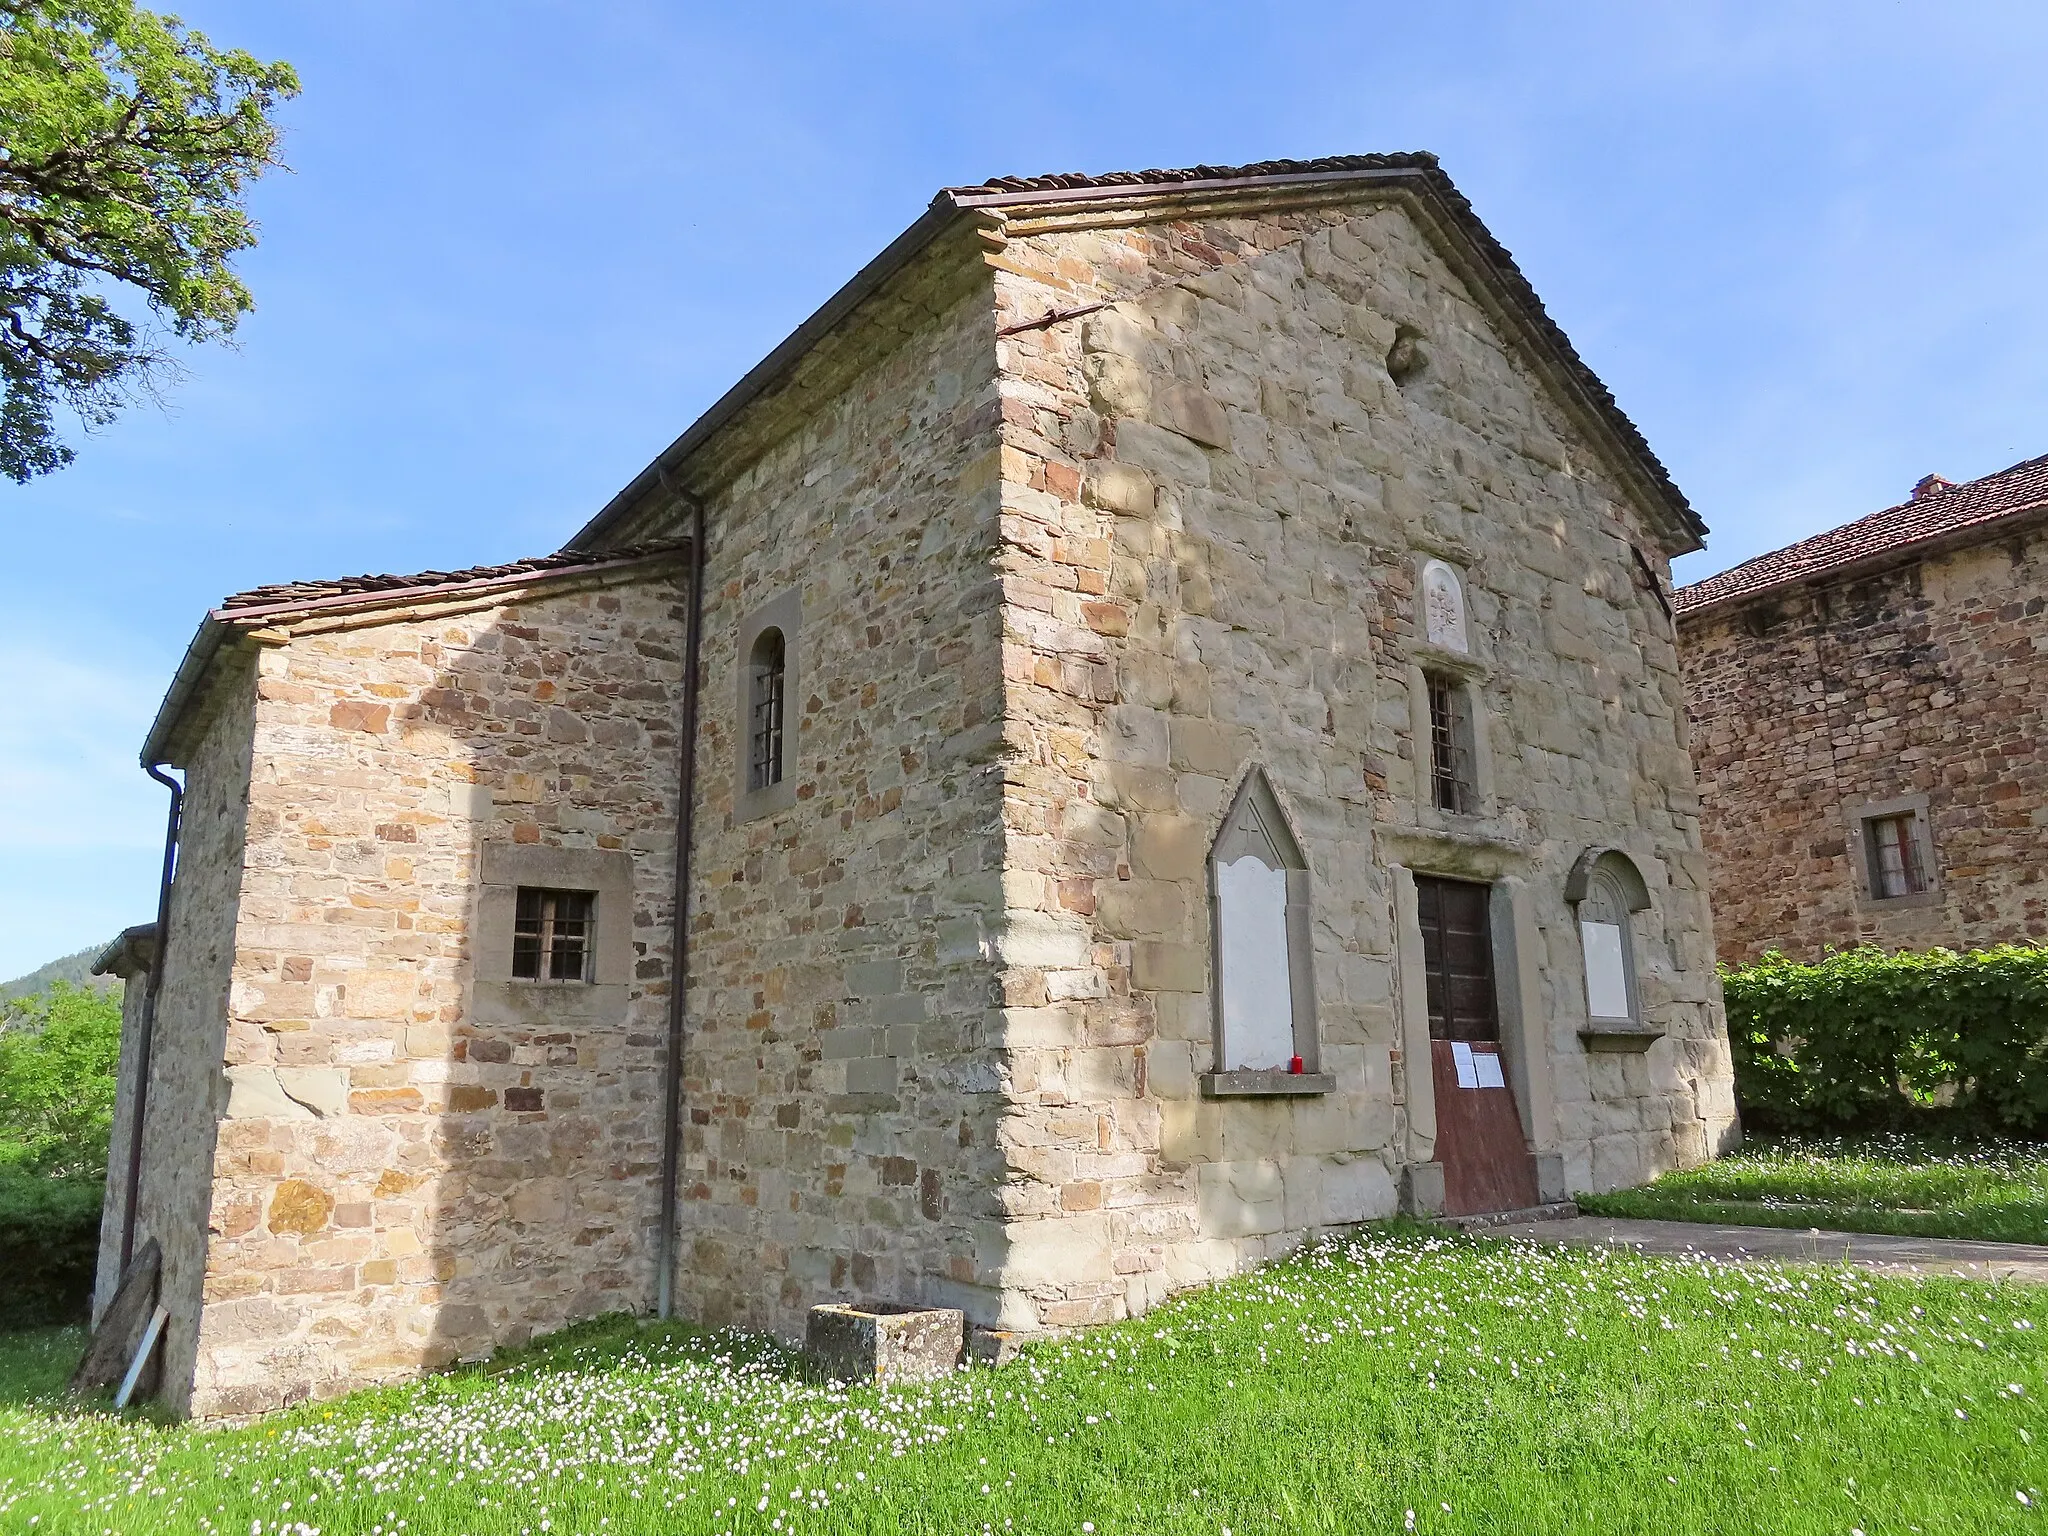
(1572, 374)
(1075, 181)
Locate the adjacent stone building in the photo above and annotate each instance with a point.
(1184, 750)
(1866, 712)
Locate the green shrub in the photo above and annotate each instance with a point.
(1933, 1043)
(50, 1234)
(58, 1052)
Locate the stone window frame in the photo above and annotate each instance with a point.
(783, 612)
(1255, 808)
(1860, 815)
(607, 873)
(1468, 677)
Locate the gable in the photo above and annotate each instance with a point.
(999, 213)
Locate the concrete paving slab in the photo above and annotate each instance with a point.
(2024, 1262)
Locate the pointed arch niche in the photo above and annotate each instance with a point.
(1264, 978)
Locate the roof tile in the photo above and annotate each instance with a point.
(1940, 514)
(296, 594)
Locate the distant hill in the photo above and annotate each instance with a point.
(76, 969)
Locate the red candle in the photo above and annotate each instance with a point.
(1294, 1066)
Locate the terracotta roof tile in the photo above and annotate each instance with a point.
(1938, 515)
(299, 594)
(1073, 181)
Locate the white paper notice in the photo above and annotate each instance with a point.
(1487, 1064)
(1468, 1074)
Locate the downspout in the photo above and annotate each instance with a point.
(143, 1035)
(679, 943)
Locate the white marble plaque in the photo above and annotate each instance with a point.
(1606, 973)
(1258, 996)
(1443, 607)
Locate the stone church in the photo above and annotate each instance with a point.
(1162, 699)
(1866, 709)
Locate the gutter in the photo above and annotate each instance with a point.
(145, 1034)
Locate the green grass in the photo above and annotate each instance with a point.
(1997, 1192)
(1482, 1386)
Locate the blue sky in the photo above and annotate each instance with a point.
(522, 245)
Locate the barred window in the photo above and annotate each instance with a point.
(551, 932)
(1450, 745)
(1896, 868)
(768, 673)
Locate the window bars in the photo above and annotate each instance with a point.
(1450, 746)
(551, 933)
(764, 712)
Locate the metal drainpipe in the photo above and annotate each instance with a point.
(145, 1034)
(679, 944)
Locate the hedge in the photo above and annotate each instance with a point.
(1935, 1042)
(50, 1236)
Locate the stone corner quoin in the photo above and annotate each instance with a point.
(1051, 602)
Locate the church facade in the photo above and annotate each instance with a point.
(1162, 700)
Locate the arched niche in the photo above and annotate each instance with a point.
(1607, 889)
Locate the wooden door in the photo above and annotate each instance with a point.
(1479, 1137)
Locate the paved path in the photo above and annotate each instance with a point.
(2027, 1262)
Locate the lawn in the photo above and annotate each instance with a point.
(1396, 1381)
(1994, 1191)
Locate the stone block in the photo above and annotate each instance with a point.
(1241, 1199)
(1422, 1189)
(323, 1090)
(872, 1074)
(255, 1093)
(884, 1342)
(1193, 413)
(1166, 454)
(1115, 487)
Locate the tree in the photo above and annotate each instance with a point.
(58, 1053)
(125, 141)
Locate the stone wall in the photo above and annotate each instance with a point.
(841, 1093)
(419, 1159)
(121, 1132)
(186, 1091)
(1215, 502)
(1927, 679)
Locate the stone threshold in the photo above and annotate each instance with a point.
(1554, 1210)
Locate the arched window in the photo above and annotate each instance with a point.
(1265, 983)
(767, 676)
(1608, 890)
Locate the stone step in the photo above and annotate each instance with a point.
(1555, 1210)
